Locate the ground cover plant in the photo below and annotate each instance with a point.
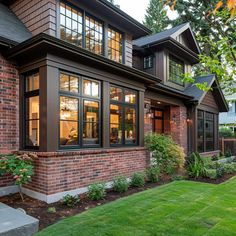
(181, 208)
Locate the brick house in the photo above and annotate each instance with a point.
(81, 82)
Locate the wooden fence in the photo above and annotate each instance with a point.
(228, 145)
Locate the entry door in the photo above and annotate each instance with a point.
(158, 121)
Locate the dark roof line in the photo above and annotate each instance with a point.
(50, 40)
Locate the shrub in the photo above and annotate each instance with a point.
(229, 168)
(226, 132)
(168, 156)
(177, 177)
(195, 166)
(70, 200)
(138, 179)
(97, 191)
(211, 173)
(52, 210)
(220, 170)
(120, 184)
(228, 153)
(152, 174)
(19, 166)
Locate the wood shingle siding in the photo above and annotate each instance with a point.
(37, 15)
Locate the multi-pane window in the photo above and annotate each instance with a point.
(94, 35)
(31, 105)
(148, 62)
(115, 45)
(71, 24)
(205, 132)
(123, 116)
(176, 70)
(79, 111)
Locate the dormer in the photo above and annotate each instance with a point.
(167, 54)
(95, 25)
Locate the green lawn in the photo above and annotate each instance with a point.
(179, 208)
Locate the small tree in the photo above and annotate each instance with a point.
(19, 166)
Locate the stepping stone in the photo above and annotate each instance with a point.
(14, 222)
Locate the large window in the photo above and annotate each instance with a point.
(79, 28)
(176, 70)
(148, 62)
(79, 111)
(31, 105)
(115, 45)
(205, 132)
(123, 116)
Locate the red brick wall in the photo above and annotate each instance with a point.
(9, 108)
(58, 172)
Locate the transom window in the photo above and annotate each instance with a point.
(148, 62)
(79, 111)
(176, 70)
(115, 45)
(205, 132)
(31, 105)
(123, 116)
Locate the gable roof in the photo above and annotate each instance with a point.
(167, 34)
(12, 30)
(198, 94)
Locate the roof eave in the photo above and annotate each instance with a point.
(75, 50)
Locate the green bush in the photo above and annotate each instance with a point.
(70, 200)
(120, 184)
(97, 191)
(228, 153)
(168, 156)
(230, 168)
(195, 166)
(226, 132)
(211, 173)
(152, 174)
(138, 179)
(177, 177)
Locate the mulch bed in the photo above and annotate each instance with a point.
(39, 209)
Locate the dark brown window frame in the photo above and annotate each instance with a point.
(123, 106)
(148, 62)
(81, 98)
(205, 120)
(172, 59)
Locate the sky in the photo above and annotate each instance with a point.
(137, 8)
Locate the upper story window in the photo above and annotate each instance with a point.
(94, 35)
(31, 111)
(71, 25)
(148, 62)
(115, 45)
(80, 111)
(81, 29)
(123, 116)
(176, 70)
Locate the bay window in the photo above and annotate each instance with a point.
(79, 111)
(205, 131)
(31, 104)
(123, 116)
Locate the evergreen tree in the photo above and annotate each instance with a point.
(156, 17)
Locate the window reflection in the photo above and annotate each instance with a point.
(94, 35)
(130, 97)
(32, 82)
(71, 21)
(32, 121)
(115, 124)
(115, 45)
(176, 70)
(69, 83)
(91, 123)
(68, 121)
(130, 127)
(116, 94)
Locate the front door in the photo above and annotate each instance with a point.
(158, 121)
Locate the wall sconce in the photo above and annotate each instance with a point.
(174, 119)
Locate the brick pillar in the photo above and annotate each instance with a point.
(9, 106)
(178, 125)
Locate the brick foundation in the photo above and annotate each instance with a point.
(65, 171)
(9, 106)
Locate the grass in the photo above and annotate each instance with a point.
(179, 208)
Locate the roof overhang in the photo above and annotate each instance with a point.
(42, 44)
(175, 46)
